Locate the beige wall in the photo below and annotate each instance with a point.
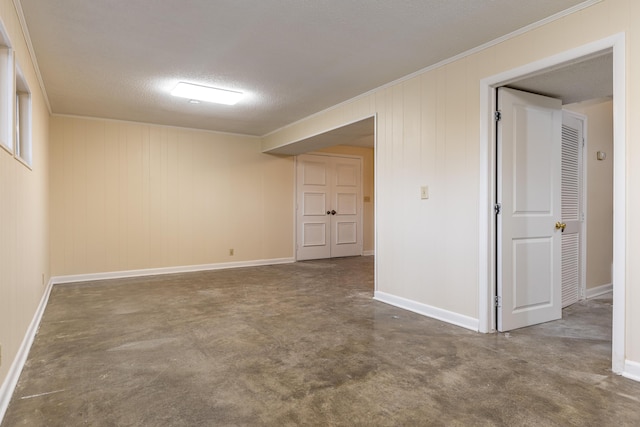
(129, 196)
(599, 207)
(368, 224)
(24, 226)
(428, 133)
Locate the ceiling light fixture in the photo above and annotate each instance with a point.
(206, 93)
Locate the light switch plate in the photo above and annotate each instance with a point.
(424, 192)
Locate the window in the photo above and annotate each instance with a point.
(22, 115)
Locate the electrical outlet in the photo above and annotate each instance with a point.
(230, 252)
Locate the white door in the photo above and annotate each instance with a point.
(313, 207)
(528, 192)
(328, 208)
(346, 226)
(572, 208)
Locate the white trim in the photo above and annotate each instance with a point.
(166, 270)
(618, 273)
(375, 200)
(11, 380)
(598, 290)
(444, 62)
(368, 253)
(427, 310)
(295, 208)
(631, 370)
(486, 312)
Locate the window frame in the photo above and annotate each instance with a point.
(7, 88)
(22, 119)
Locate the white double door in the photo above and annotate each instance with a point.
(328, 206)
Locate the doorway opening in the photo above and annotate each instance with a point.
(613, 46)
(349, 142)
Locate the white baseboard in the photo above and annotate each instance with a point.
(631, 370)
(10, 382)
(427, 310)
(599, 290)
(368, 253)
(167, 270)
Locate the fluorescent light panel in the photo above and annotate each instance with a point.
(206, 93)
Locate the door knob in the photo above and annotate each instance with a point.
(560, 226)
(333, 212)
(328, 212)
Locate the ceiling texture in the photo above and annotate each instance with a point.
(119, 59)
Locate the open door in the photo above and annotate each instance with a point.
(529, 222)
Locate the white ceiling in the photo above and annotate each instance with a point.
(586, 79)
(119, 59)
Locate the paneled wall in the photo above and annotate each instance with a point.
(129, 196)
(429, 134)
(24, 213)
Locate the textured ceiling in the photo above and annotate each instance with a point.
(583, 80)
(119, 58)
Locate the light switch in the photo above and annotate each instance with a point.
(601, 155)
(424, 192)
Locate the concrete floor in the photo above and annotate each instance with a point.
(304, 344)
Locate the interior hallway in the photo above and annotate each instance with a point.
(304, 344)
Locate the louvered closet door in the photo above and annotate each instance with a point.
(572, 137)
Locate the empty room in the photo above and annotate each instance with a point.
(319, 213)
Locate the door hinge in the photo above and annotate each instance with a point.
(498, 116)
(498, 208)
(497, 301)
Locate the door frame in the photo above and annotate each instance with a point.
(360, 200)
(487, 229)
